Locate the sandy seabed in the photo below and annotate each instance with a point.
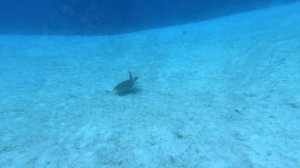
(219, 93)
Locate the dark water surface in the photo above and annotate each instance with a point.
(113, 16)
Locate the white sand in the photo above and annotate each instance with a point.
(221, 93)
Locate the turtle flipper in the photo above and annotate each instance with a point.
(130, 76)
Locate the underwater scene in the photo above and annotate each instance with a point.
(150, 84)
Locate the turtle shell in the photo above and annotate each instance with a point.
(124, 86)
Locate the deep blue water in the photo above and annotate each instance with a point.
(113, 16)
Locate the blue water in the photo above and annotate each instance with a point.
(217, 84)
(114, 16)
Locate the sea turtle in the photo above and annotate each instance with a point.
(125, 86)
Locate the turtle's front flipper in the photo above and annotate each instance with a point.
(134, 79)
(130, 76)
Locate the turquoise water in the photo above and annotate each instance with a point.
(222, 92)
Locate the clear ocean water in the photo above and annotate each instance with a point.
(150, 84)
